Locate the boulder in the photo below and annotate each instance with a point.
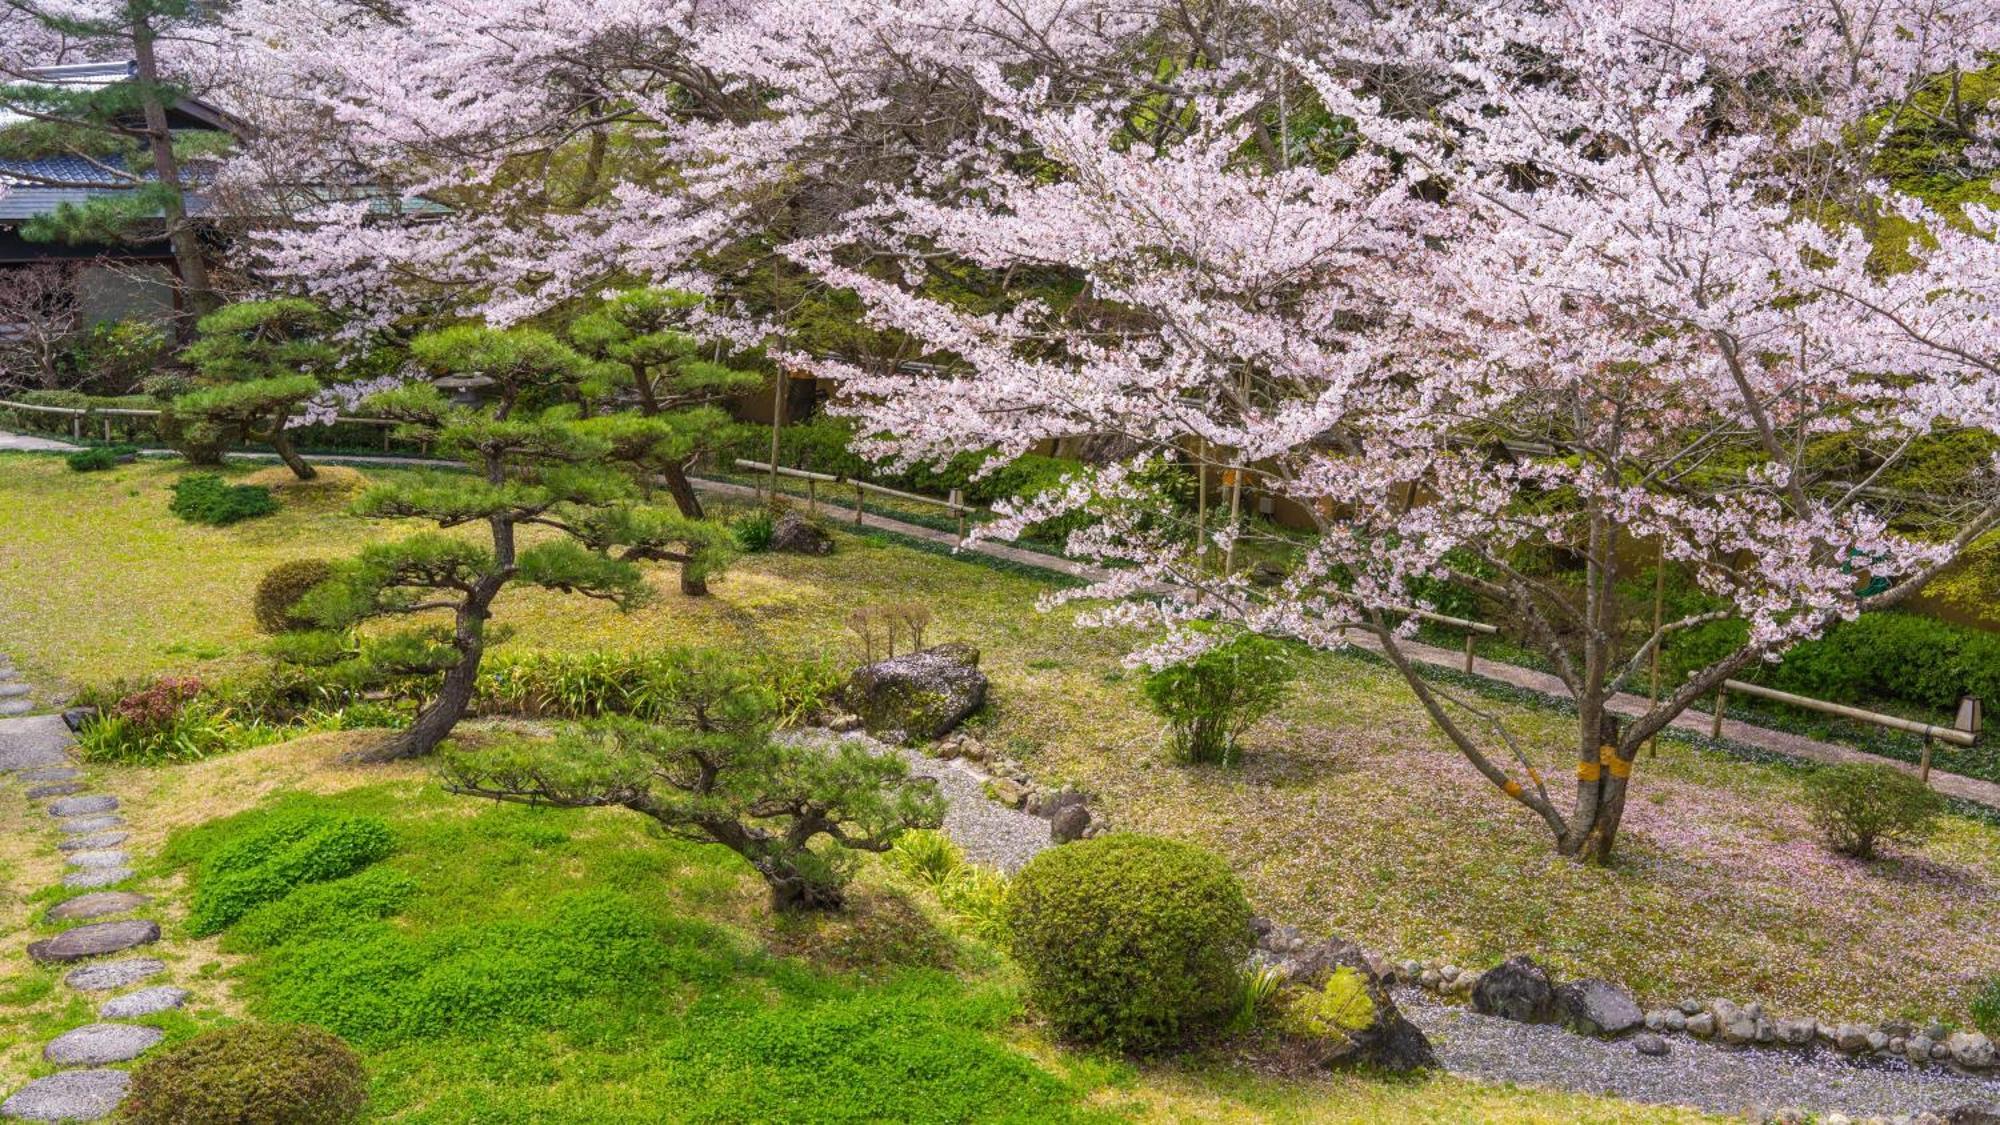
(1007, 791)
(1597, 1007)
(77, 718)
(1796, 1033)
(923, 694)
(1974, 1113)
(1516, 989)
(1336, 1006)
(1733, 1022)
(1069, 824)
(1851, 1037)
(793, 534)
(1647, 1043)
(1970, 1049)
(1701, 1026)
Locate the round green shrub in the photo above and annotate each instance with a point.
(206, 498)
(281, 588)
(1130, 941)
(1859, 804)
(250, 1074)
(1210, 701)
(92, 460)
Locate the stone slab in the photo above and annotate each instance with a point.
(144, 1002)
(73, 1095)
(77, 825)
(102, 857)
(114, 974)
(14, 690)
(95, 1044)
(37, 741)
(83, 806)
(92, 841)
(96, 876)
(16, 706)
(94, 940)
(51, 773)
(55, 789)
(95, 905)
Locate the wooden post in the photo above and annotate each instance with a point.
(1468, 652)
(1715, 727)
(76, 425)
(777, 424)
(857, 503)
(107, 429)
(1201, 504)
(1924, 768)
(958, 508)
(386, 431)
(1659, 642)
(812, 497)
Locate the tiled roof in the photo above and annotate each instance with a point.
(25, 196)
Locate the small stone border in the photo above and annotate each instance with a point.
(1718, 1019)
(102, 950)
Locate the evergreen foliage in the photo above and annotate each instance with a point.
(257, 363)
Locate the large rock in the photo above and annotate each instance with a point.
(793, 534)
(1336, 1005)
(1597, 1007)
(72, 1095)
(1970, 1049)
(1069, 824)
(1974, 1113)
(1734, 1023)
(94, 940)
(921, 695)
(1517, 989)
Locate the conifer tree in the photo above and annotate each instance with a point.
(258, 362)
(534, 467)
(120, 128)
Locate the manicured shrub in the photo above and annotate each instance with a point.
(267, 864)
(1130, 941)
(168, 720)
(281, 588)
(1857, 805)
(1208, 702)
(250, 1074)
(319, 910)
(206, 498)
(92, 460)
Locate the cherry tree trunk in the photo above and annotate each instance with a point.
(1603, 776)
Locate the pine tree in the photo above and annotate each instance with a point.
(121, 128)
(258, 362)
(637, 332)
(534, 465)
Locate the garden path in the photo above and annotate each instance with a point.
(96, 951)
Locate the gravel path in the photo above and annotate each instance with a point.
(987, 831)
(1697, 1074)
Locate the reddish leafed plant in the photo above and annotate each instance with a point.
(160, 704)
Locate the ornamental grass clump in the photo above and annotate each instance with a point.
(250, 1074)
(1858, 805)
(1132, 942)
(1211, 700)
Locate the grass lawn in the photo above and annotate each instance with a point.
(1349, 815)
(573, 966)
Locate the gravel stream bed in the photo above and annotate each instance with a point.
(1696, 1073)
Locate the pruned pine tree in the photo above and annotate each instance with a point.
(121, 128)
(559, 512)
(257, 363)
(639, 334)
(712, 771)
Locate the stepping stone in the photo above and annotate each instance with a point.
(55, 789)
(16, 706)
(51, 773)
(94, 940)
(96, 876)
(73, 1095)
(114, 974)
(32, 742)
(107, 857)
(83, 806)
(95, 905)
(78, 825)
(95, 1044)
(14, 690)
(144, 1002)
(92, 842)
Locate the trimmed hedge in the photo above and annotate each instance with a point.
(1130, 941)
(281, 588)
(250, 1074)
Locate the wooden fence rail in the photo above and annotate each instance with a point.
(861, 489)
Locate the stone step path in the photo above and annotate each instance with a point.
(102, 946)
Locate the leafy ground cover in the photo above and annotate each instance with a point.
(1348, 813)
(507, 964)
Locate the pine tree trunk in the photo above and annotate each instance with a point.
(199, 297)
(693, 584)
(437, 718)
(791, 894)
(281, 441)
(682, 491)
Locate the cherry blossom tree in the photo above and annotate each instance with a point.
(1605, 281)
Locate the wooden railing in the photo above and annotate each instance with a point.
(78, 415)
(1929, 732)
(862, 490)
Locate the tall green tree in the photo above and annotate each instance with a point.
(121, 128)
(559, 510)
(257, 363)
(639, 335)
